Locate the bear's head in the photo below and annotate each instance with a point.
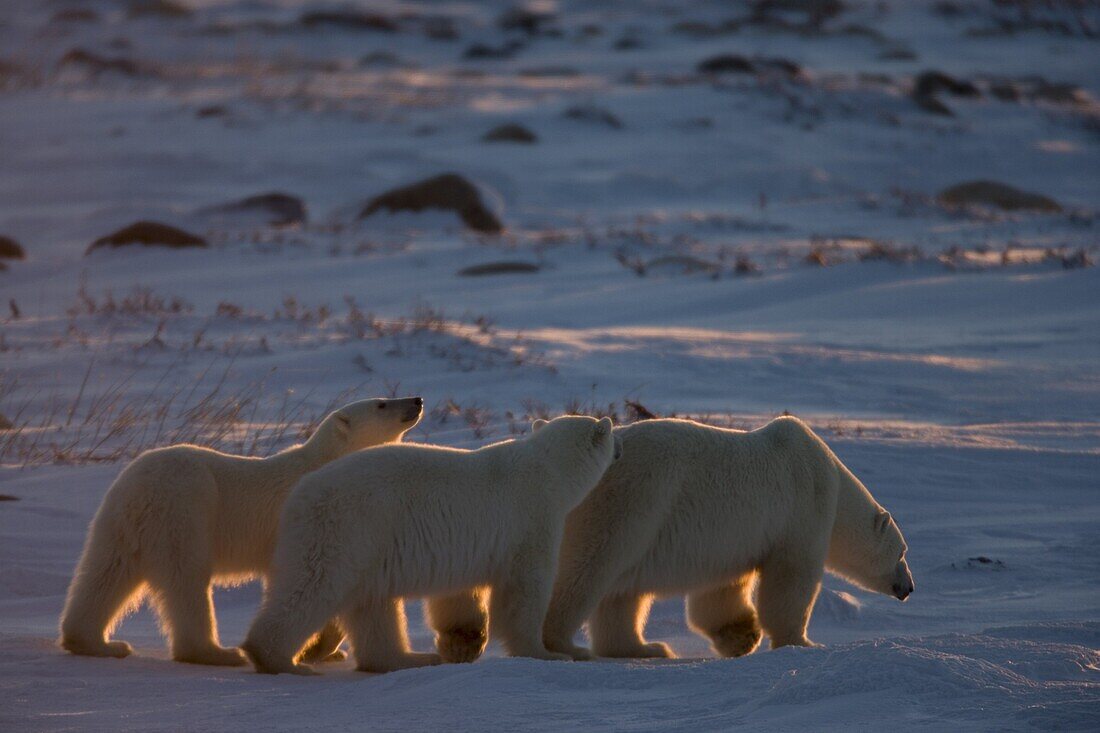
(889, 573)
(577, 450)
(367, 423)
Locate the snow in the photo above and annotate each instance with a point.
(961, 385)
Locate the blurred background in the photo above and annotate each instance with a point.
(485, 172)
(220, 219)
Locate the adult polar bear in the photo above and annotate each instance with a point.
(704, 511)
(178, 518)
(365, 532)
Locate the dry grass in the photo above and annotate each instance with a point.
(115, 420)
(123, 406)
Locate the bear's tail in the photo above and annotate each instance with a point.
(106, 583)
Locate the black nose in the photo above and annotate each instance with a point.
(418, 401)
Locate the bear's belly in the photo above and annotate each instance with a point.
(686, 558)
(439, 583)
(679, 578)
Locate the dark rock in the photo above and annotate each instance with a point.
(592, 113)
(75, 15)
(788, 67)
(928, 84)
(745, 266)
(485, 51)
(898, 53)
(700, 29)
(10, 70)
(510, 133)
(997, 195)
(499, 268)
(549, 72)
(1058, 93)
(931, 82)
(440, 28)
(628, 43)
(1076, 260)
(351, 20)
(10, 249)
(1005, 91)
(148, 234)
(522, 19)
(800, 15)
(380, 58)
(280, 209)
(211, 110)
(726, 63)
(948, 9)
(933, 105)
(682, 264)
(157, 9)
(95, 64)
(981, 561)
(7, 497)
(732, 63)
(449, 191)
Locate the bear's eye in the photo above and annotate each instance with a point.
(381, 405)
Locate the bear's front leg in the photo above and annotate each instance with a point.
(461, 624)
(788, 589)
(379, 636)
(521, 597)
(185, 604)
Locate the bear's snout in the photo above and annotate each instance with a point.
(412, 412)
(903, 589)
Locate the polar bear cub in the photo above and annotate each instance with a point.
(409, 520)
(178, 518)
(710, 513)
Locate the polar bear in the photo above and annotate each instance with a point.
(710, 513)
(365, 532)
(180, 517)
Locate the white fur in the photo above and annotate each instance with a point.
(402, 521)
(711, 513)
(179, 518)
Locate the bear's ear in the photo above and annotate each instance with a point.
(601, 431)
(882, 521)
(342, 423)
(537, 425)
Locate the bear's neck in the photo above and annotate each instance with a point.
(301, 459)
(852, 546)
(503, 461)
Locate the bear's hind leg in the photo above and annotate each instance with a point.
(519, 604)
(461, 624)
(786, 596)
(104, 586)
(584, 576)
(617, 625)
(602, 541)
(326, 646)
(379, 636)
(186, 607)
(726, 616)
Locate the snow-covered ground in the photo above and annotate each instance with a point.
(725, 245)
